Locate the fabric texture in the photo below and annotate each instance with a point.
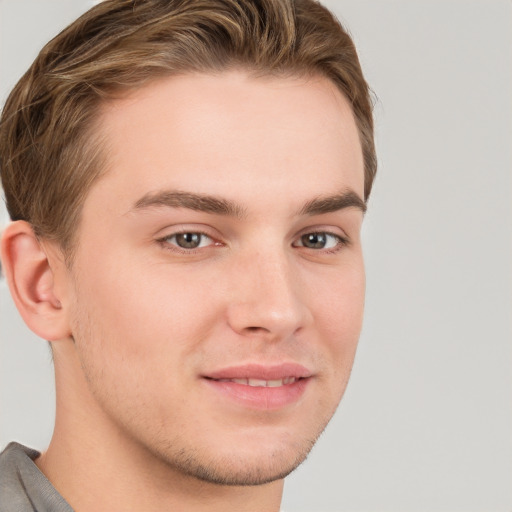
(23, 488)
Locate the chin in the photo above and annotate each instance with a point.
(240, 463)
(239, 470)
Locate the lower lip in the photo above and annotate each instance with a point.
(259, 397)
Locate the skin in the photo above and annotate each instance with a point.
(137, 321)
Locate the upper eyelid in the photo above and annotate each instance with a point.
(177, 229)
(187, 231)
(330, 230)
(176, 233)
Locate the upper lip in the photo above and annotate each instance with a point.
(260, 371)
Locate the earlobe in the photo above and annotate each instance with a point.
(31, 279)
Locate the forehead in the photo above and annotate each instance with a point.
(231, 134)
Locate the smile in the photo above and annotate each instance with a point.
(259, 387)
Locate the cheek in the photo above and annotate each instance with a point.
(145, 316)
(339, 315)
(339, 298)
(134, 337)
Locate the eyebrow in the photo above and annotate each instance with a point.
(226, 207)
(329, 204)
(198, 202)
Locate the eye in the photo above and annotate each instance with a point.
(320, 240)
(190, 240)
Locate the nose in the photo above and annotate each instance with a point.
(267, 299)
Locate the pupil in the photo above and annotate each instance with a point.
(314, 240)
(188, 240)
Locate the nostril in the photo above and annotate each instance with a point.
(256, 329)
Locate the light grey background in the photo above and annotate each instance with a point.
(426, 423)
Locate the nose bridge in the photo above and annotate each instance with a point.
(267, 298)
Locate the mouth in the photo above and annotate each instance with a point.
(260, 387)
(260, 383)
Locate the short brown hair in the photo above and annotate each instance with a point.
(49, 157)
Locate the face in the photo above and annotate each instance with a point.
(217, 290)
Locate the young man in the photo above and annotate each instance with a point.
(187, 182)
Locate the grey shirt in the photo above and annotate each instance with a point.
(23, 488)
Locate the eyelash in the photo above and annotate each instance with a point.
(167, 245)
(341, 241)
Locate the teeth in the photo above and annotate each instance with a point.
(259, 383)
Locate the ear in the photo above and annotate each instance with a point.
(30, 269)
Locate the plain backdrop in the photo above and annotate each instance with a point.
(426, 422)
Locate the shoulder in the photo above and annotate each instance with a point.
(23, 487)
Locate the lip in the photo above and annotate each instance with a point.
(260, 371)
(260, 397)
